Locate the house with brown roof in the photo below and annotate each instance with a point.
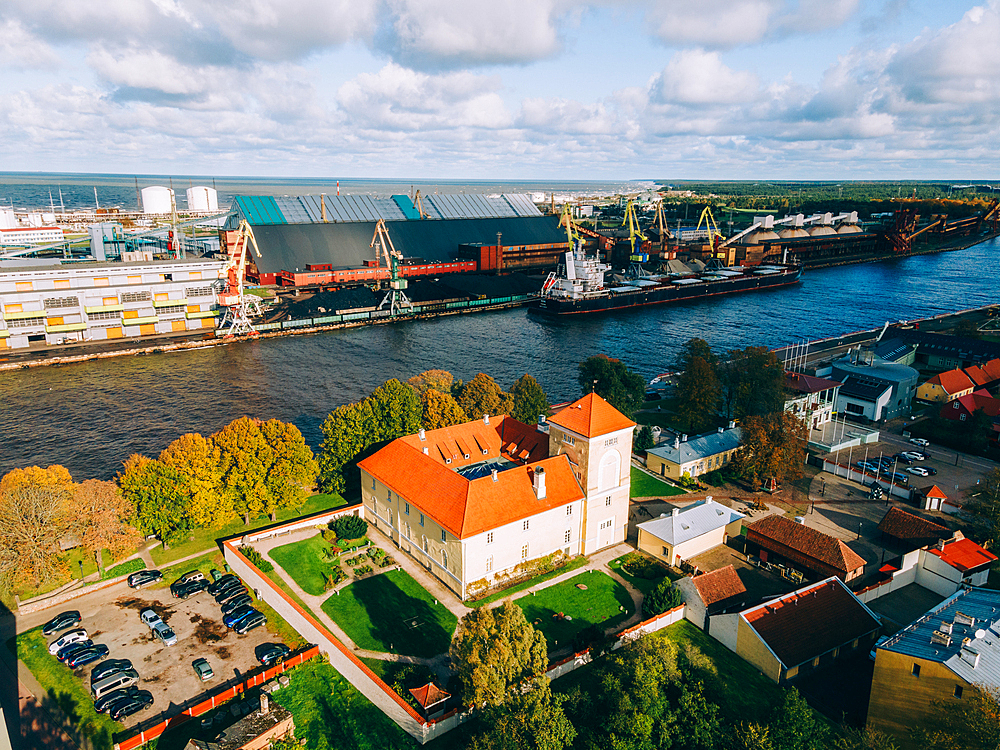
(479, 502)
(945, 387)
(811, 399)
(712, 593)
(782, 541)
(799, 632)
(906, 531)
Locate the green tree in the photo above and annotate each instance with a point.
(396, 410)
(441, 410)
(613, 381)
(528, 400)
(863, 739)
(245, 457)
(973, 722)
(663, 597)
(158, 494)
(293, 468)
(496, 653)
(750, 736)
(772, 447)
(753, 382)
(199, 461)
(482, 395)
(794, 725)
(347, 432)
(985, 508)
(438, 380)
(698, 395)
(533, 720)
(697, 348)
(644, 440)
(102, 516)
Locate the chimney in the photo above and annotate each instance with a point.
(684, 438)
(677, 443)
(265, 704)
(322, 206)
(721, 430)
(427, 451)
(539, 482)
(486, 419)
(940, 545)
(494, 474)
(959, 536)
(675, 511)
(732, 424)
(422, 435)
(541, 419)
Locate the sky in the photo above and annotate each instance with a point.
(503, 89)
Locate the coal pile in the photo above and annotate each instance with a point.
(327, 303)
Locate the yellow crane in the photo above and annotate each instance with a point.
(711, 227)
(239, 306)
(632, 221)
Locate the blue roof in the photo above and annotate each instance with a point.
(691, 522)
(700, 446)
(967, 612)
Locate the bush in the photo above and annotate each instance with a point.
(640, 566)
(129, 566)
(349, 527)
(363, 570)
(665, 596)
(256, 558)
(332, 578)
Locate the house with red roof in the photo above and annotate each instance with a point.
(961, 409)
(712, 593)
(799, 632)
(779, 540)
(811, 399)
(906, 532)
(478, 503)
(959, 560)
(945, 387)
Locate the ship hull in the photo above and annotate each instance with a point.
(663, 294)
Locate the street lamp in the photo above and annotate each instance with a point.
(81, 569)
(859, 529)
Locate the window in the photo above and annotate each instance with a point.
(424, 538)
(444, 535)
(106, 315)
(607, 501)
(569, 440)
(444, 557)
(489, 563)
(953, 406)
(569, 510)
(421, 519)
(135, 297)
(566, 538)
(62, 302)
(22, 286)
(961, 417)
(610, 441)
(406, 508)
(916, 670)
(373, 484)
(855, 408)
(103, 281)
(666, 551)
(524, 552)
(958, 691)
(489, 538)
(388, 516)
(527, 522)
(25, 322)
(607, 524)
(198, 291)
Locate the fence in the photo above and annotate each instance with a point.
(146, 734)
(305, 522)
(863, 477)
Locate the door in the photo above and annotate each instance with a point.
(115, 333)
(147, 329)
(177, 325)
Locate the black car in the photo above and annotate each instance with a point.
(106, 702)
(230, 579)
(231, 593)
(127, 708)
(184, 590)
(61, 622)
(87, 656)
(273, 653)
(223, 590)
(250, 622)
(903, 459)
(108, 668)
(144, 578)
(66, 652)
(236, 603)
(931, 471)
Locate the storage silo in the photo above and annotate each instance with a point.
(157, 199)
(201, 198)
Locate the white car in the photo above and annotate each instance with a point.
(164, 634)
(919, 441)
(150, 617)
(913, 455)
(920, 471)
(73, 636)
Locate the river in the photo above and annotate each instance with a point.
(91, 416)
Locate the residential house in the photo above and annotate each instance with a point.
(699, 455)
(934, 662)
(799, 632)
(961, 409)
(906, 532)
(480, 502)
(811, 399)
(945, 386)
(690, 531)
(784, 542)
(943, 567)
(874, 390)
(712, 593)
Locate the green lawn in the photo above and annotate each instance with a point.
(598, 604)
(392, 612)
(275, 576)
(576, 562)
(199, 539)
(304, 562)
(645, 585)
(66, 690)
(205, 563)
(645, 485)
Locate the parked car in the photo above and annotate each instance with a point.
(61, 622)
(897, 477)
(903, 459)
(231, 593)
(66, 652)
(164, 634)
(150, 617)
(273, 653)
(930, 470)
(191, 575)
(249, 623)
(914, 455)
(919, 441)
(125, 678)
(104, 703)
(919, 471)
(226, 590)
(86, 656)
(184, 590)
(132, 706)
(203, 669)
(73, 636)
(236, 603)
(225, 582)
(144, 578)
(236, 615)
(108, 668)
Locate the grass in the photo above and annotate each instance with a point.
(65, 690)
(304, 562)
(597, 605)
(126, 567)
(201, 539)
(378, 615)
(576, 562)
(205, 563)
(330, 714)
(275, 576)
(645, 585)
(646, 485)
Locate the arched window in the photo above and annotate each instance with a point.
(610, 471)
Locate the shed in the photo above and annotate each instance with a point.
(431, 698)
(689, 531)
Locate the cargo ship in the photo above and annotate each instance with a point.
(578, 286)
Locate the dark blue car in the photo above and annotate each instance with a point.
(87, 656)
(67, 651)
(233, 604)
(236, 615)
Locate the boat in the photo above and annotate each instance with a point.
(578, 286)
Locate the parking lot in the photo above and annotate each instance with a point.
(166, 671)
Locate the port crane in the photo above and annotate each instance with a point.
(636, 257)
(239, 306)
(396, 298)
(706, 218)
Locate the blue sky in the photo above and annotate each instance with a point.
(505, 89)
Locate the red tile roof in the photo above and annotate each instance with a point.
(906, 526)
(809, 622)
(719, 585)
(974, 401)
(520, 442)
(933, 491)
(953, 381)
(977, 375)
(809, 542)
(992, 368)
(964, 555)
(591, 416)
(429, 695)
(797, 381)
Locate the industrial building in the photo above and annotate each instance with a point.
(314, 241)
(96, 301)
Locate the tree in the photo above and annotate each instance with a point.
(697, 348)
(102, 517)
(773, 447)
(349, 527)
(396, 410)
(199, 461)
(438, 380)
(973, 722)
(496, 652)
(293, 467)
(482, 395)
(159, 496)
(750, 736)
(528, 400)
(794, 725)
(753, 382)
(863, 739)
(663, 597)
(698, 394)
(441, 410)
(35, 512)
(347, 431)
(985, 508)
(613, 381)
(244, 458)
(644, 440)
(533, 720)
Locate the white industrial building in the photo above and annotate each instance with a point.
(21, 236)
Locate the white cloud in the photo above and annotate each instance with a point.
(22, 50)
(699, 77)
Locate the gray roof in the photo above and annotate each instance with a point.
(890, 372)
(700, 446)
(983, 607)
(864, 388)
(691, 522)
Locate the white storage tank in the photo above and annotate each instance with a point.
(7, 218)
(157, 199)
(201, 198)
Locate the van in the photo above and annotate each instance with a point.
(124, 679)
(193, 575)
